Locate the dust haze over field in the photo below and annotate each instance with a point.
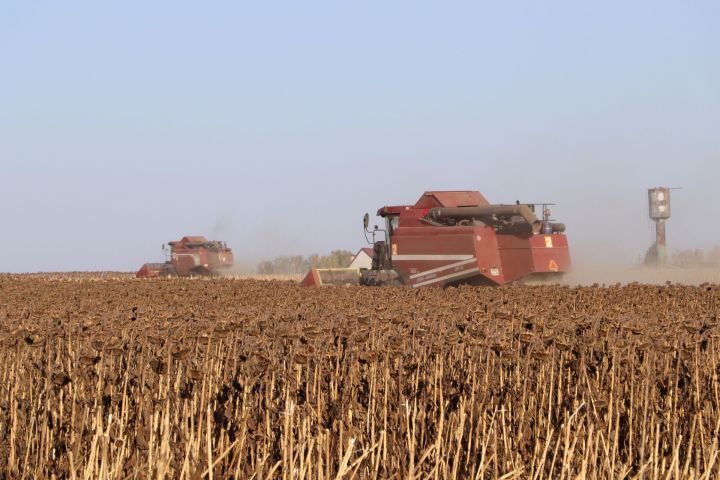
(588, 274)
(609, 265)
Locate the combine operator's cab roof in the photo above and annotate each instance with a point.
(446, 199)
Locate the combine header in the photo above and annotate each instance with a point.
(191, 256)
(455, 237)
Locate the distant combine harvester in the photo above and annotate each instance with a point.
(191, 256)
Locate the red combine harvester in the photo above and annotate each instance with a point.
(191, 256)
(454, 237)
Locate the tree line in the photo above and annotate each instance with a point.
(299, 264)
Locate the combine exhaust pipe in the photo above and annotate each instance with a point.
(487, 211)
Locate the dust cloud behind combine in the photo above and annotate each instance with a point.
(609, 244)
(589, 274)
(687, 267)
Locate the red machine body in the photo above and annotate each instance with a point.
(192, 255)
(468, 251)
(452, 237)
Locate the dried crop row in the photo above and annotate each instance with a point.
(241, 379)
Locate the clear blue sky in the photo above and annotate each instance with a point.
(276, 125)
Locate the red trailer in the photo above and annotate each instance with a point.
(192, 255)
(453, 237)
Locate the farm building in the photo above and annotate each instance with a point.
(362, 259)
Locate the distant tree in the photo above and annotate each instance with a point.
(266, 267)
(688, 258)
(313, 261)
(288, 265)
(651, 256)
(713, 257)
(339, 259)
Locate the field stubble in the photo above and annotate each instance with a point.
(118, 378)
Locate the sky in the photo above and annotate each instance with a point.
(276, 125)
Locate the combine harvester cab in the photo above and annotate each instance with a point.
(191, 256)
(454, 237)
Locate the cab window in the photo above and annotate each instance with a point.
(392, 222)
